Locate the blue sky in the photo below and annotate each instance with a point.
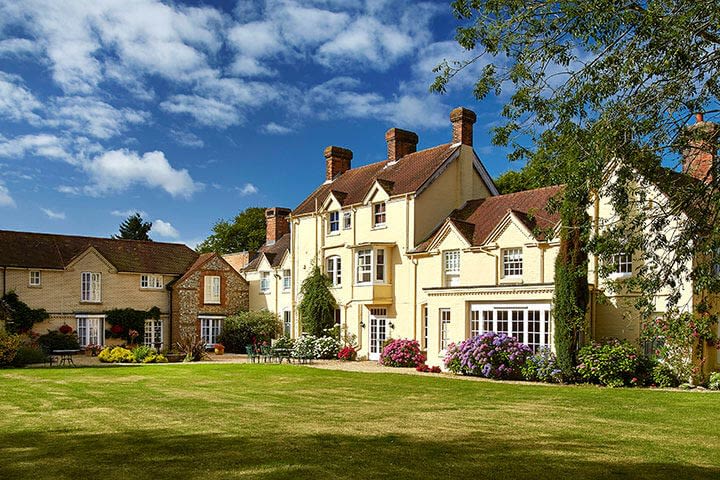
(192, 112)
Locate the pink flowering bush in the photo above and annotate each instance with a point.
(402, 353)
(490, 355)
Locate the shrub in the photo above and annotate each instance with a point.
(22, 317)
(490, 355)
(327, 347)
(154, 358)
(54, 340)
(116, 355)
(402, 353)
(27, 355)
(284, 342)
(542, 367)
(422, 368)
(9, 346)
(663, 376)
(347, 353)
(305, 347)
(714, 381)
(247, 328)
(192, 346)
(613, 363)
(141, 352)
(435, 369)
(317, 307)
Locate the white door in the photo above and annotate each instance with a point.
(378, 332)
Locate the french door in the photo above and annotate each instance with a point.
(378, 332)
(529, 324)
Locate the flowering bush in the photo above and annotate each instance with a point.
(612, 363)
(347, 353)
(714, 383)
(542, 367)
(155, 358)
(141, 352)
(327, 347)
(663, 376)
(65, 329)
(402, 353)
(116, 355)
(490, 355)
(305, 347)
(425, 369)
(9, 346)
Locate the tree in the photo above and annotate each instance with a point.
(600, 86)
(246, 232)
(134, 228)
(317, 307)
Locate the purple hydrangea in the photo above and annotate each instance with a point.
(490, 355)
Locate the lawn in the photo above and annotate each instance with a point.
(272, 421)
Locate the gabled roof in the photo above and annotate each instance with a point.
(274, 253)
(44, 250)
(200, 262)
(402, 176)
(477, 219)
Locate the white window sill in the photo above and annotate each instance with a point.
(512, 279)
(151, 288)
(333, 234)
(91, 301)
(212, 303)
(380, 226)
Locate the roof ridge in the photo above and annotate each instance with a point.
(504, 195)
(56, 235)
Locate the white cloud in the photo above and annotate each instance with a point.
(118, 170)
(187, 139)
(273, 128)
(93, 117)
(17, 102)
(53, 215)
(5, 199)
(128, 212)
(247, 189)
(40, 145)
(165, 229)
(18, 47)
(205, 111)
(69, 189)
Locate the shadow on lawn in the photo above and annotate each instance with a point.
(155, 454)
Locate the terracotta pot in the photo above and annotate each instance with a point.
(219, 351)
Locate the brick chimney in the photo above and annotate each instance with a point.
(276, 224)
(462, 125)
(337, 161)
(400, 143)
(700, 158)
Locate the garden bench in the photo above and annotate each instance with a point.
(251, 353)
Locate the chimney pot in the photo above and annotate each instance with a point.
(337, 161)
(699, 117)
(400, 143)
(276, 224)
(462, 125)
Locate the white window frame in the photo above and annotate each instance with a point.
(34, 278)
(530, 323)
(333, 265)
(287, 323)
(265, 282)
(151, 282)
(623, 263)
(154, 331)
(210, 328)
(91, 287)
(286, 280)
(451, 267)
(90, 329)
(380, 265)
(371, 263)
(347, 220)
(445, 317)
(212, 294)
(425, 326)
(512, 262)
(379, 213)
(333, 223)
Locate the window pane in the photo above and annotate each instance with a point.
(512, 262)
(380, 265)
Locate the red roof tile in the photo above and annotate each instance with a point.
(44, 250)
(274, 253)
(403, 176)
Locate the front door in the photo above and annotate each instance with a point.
(378, 332)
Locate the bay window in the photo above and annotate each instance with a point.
(371, 266)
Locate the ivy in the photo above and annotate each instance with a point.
(21, 318)
(123, 320)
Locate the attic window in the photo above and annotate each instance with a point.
(512, 263)
(379, 214)
(333, 222)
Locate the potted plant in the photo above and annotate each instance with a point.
(219, 349)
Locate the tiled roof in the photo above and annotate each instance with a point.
(274, 253)
(43, 250)
(478, 218)
(403, 176)
(201, 259)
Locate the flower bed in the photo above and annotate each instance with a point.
(490, 355)
(402, 353)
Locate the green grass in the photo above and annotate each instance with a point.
(271, 421)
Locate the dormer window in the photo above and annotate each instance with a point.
(451, 260)
(333, 222)
(379, 214)
(347, 221)
(512, 263)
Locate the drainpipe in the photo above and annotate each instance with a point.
(170, 320)
(4, 280)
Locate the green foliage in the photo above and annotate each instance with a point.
(317, 307)
(22, 318)
(155, 358)
(127, 319)
(247, 328)
(683, 342)
(284, 342)
(55, 340)
(245, 232)
(305, 347)
(192, 346)
(610, 82)
(612, 363)
(327, 347)
(141, 352)
(714, 381)
(134, 228)
(663, 376)
(9, 346)
(116, 355)
(542, 367)
(28, 355)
